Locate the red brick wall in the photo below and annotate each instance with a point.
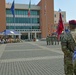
(2, 15)
(46, 21)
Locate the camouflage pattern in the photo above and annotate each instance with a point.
(56, 40)
(48, 40)
(74, 66)
(74, 62)
(72, 26)
(52, 40)
(68, 44)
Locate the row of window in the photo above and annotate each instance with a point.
(56, 15)
(22, 27)
(57, 21)
(23, 12)
(22, 20)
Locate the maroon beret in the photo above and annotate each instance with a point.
(72, 22)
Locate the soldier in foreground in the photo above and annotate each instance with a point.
(68, 43)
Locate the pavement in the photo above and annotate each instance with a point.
(31, 58)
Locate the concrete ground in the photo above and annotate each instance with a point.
(31, 58)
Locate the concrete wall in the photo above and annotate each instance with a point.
(23, 6)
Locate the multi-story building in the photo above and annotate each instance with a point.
(38, 25)
(56, 16)
(56, 19)
(22, 23)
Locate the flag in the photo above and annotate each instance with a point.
(29, 8)
(12, 9)
(60, 27)
(59, 10)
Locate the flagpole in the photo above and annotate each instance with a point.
(31, 26)
(30, 19)
(14, 14)
(14, 18)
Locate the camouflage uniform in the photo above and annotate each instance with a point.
(48, 40)
(67, 44)
(72, 25)
(74, 62)
(74, 66)
(52, 40)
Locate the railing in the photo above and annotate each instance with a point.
(24, 30)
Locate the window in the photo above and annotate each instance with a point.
(55, 21)
(23, 12)
(62, 15)
(54, 15)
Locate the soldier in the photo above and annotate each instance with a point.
(47, 40)
(52, 39)
(55, 39)
(72, 24)
(68, 45)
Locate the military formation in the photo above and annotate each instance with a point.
(52, 40)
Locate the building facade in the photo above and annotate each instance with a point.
(2, 16)
(46, 17)
(56, 19)
(29, 27)
(38, 25)
(56, 16)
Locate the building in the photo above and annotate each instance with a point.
(38, 25)
(56, 16)
(2, 15)
(56, 19)
(24, 24)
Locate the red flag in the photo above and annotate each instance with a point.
(60, 26)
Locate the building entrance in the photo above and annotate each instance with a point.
(30, 36)
(24, 36)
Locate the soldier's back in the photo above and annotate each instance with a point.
(68, 66)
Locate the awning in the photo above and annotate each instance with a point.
(10, 32)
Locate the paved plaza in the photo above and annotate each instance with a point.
(31, 58)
